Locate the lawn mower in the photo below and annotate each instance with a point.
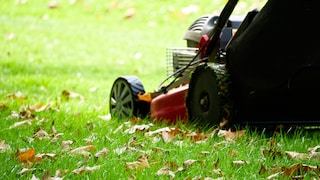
(261, 69)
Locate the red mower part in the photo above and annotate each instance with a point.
(170, 106)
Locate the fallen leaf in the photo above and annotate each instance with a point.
(135, 128)
(158, 131)
(17, 95)
(83, 150)
(40, 157)
(130, 13)
(166, 171)
(53, 4)
(168, 136)
(119, 128)
(40, 107)
(239, 162)
(26, 170)
(106, 117)
(4, 147)
(314, 153)
(41, 134)
(297, 156)
(189, 162)
(85, 169)
(26, 156)
(102, 152)
(3, 106)
(72, 95)
(141, 163)
(228, 134)
(274, 176)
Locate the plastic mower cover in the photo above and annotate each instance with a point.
(170, 106)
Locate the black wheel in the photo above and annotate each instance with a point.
(203, 100)
(209, 100)
(124, 101)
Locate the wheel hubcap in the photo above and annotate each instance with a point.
(204, 102)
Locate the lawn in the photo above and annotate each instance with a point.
(58, 61)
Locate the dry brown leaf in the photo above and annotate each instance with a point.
(234, 135)
(204, 153)
(233, 153)
(294, 169)
(297, 156)
(85, 170)
(25, 114)
(130, 13)
(198, 137)
(102, 152)
(274, 176)
(313, 152)
(60, 172)
(72, 95)
(3, 106)
(4, 147)
(166, 171)
(160, 150)
(26, 170)
(158, 131)
(83, 148)
(41, 134)
(53, 4)
(133, 129)
(27, 122)
(239, 162)
(40, 157)
(18, 95)
(119, 128)
(230, 135)
(168, 136)
(105, 117)
(40, 107)
(189, 162)
(216, 164)
(141, 163)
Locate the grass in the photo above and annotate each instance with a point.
(82, 48)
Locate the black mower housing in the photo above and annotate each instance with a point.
(273, 61)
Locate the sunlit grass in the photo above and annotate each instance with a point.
(83, 48)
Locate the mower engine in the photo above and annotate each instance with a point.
(179, 58)
(181, 62)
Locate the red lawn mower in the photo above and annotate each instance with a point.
(262, 68)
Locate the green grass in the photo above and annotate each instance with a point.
(83, 48)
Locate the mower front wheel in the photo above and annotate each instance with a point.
(203, 100)
(124, 102)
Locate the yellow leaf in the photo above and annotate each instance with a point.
(26, 156)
